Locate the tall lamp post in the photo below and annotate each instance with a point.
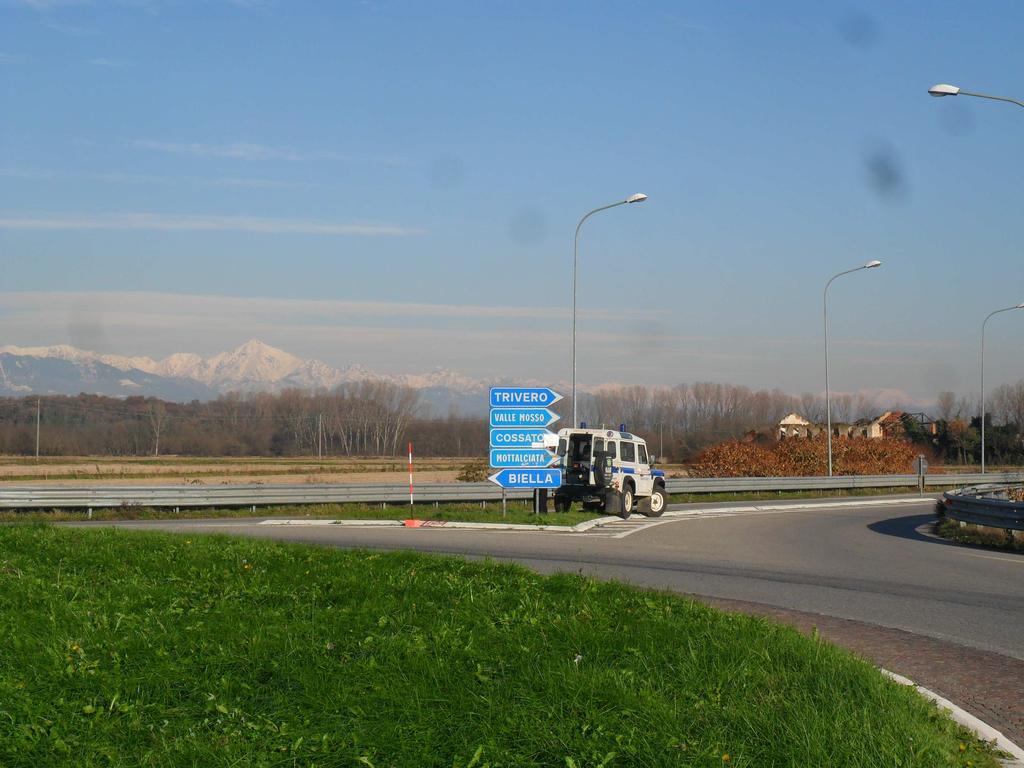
(983, 324)
(942, 89)
(828, 398)
(639, 197)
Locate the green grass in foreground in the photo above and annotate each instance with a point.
(130, 649)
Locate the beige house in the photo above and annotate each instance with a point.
(795, 425)
(889, 424)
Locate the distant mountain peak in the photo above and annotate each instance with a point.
(253, 366)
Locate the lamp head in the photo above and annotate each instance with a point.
(639, 197)
(872, 264)
(942, 89)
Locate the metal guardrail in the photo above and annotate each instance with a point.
(982, 506)
(198, 496)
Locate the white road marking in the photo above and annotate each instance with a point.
(1018, 561)
(745, 511)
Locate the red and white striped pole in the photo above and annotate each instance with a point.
(410, 474)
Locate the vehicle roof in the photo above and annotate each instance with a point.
(605, 433)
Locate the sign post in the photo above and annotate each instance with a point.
(520, 440)
(921, 467)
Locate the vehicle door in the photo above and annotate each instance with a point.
(644, 478)
(611, 447)
(598, 450)
(627, 462)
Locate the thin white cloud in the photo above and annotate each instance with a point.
(295, 312)
(116, 177)
(185, 223)
(73, 30)
(235, 150)
(241, 150)
(102, 61)
(45, 5)
(119, 177)
(27, 174)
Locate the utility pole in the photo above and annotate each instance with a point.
(39, 408)
(319, 435)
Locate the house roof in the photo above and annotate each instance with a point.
(794, 420)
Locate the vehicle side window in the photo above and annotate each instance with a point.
(598, 445)
(611, 449)
(562, 447)
(629, 452)
(642, 452)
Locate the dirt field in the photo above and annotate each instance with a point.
(167, 470)
(218, 471)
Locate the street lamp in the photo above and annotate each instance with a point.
(828, 400)
(984, 323)
(639, 197)
(943, 89)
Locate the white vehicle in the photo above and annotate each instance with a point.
(608, 470)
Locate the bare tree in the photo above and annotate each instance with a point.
(945, 406)
(1008, 404)
(157, 420)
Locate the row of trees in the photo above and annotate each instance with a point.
(958, 427)
(377, 418)
(679, 421)
(368, 418)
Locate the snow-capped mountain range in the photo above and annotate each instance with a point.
(252, 367)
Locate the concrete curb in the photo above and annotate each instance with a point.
(308, 522)
(966, 719)
(586, 525)
(485, 526)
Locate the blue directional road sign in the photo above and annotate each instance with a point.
(522, 457)
(522, 417)
(527, 478)
(523, 397)
(518, 438)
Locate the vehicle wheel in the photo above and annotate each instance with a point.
(626, 508)
(643, 506)
(656, 504)
(562, 504)
(612, 503)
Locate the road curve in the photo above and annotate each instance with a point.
(869, 572)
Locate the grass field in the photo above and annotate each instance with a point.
(177, 469)
(128, 649)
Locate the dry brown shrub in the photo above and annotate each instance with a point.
(801, 458)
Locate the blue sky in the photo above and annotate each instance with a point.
(396, 184)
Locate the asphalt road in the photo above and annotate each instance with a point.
(864, 561)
